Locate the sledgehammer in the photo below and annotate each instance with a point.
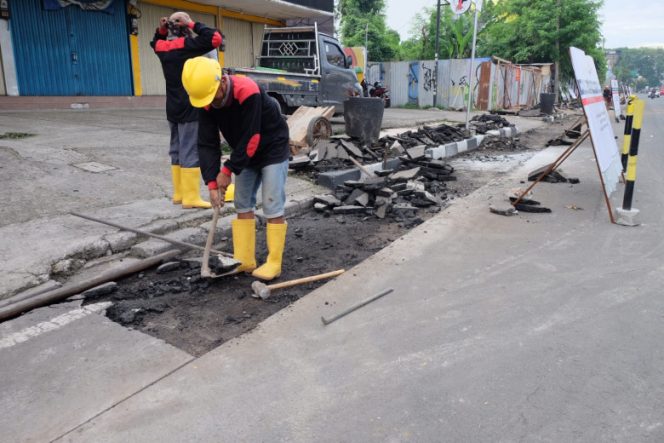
(263, 291)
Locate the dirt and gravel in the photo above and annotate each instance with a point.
(197, 315)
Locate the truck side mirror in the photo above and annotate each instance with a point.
(349, 61)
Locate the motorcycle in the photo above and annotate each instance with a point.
(380, 91)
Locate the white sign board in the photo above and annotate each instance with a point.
(459, 6)
(599, 122)
(615, 93)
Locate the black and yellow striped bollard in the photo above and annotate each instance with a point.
(629, 119)
(627, 215)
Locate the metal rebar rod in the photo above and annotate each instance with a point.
(356, 307)
(150, 234)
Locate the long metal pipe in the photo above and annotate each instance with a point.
(56, 295)
(150, 234)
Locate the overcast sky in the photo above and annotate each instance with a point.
(642, 25)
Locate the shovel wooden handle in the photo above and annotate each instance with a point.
(299, 281)
(205, 266)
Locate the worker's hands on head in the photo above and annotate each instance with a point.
(180, 18)
(163, 22)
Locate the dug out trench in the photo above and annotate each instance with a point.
(198, 315)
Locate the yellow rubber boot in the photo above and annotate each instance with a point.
(177, 184)
(244, 243)
(191, 189)
(276, 241)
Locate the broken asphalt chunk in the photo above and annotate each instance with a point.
(349, 209)
(552, 177)
(507, 212)
(328, 200)
(406, 175)
(533, 209)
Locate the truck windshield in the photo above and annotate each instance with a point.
(334, 55)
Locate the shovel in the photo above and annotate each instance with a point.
(206, 272)
(226, 261)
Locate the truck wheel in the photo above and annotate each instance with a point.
(319, 128)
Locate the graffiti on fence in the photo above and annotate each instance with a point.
(428, 81)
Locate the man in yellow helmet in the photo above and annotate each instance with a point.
(251, 123)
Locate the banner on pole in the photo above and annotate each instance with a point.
(459, 6)
(599, 122)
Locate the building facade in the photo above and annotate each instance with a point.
(101, 47)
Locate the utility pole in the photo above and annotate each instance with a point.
(366, 39)
(556, 84)
(478, 7)
(436, 57)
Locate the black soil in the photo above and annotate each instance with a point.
(197, 315)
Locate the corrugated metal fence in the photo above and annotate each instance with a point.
(496, 85)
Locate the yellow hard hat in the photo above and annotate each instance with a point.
(201, 77)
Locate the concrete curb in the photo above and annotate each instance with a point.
(332, 179)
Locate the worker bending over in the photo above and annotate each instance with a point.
(252, 124)
(174, 43)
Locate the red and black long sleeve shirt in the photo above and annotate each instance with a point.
(173, 54)
(251, 123)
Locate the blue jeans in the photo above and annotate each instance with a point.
(273, 179)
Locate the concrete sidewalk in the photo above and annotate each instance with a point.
(535, 327)
(45, 180)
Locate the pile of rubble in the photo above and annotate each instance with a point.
(502, 144)
(345, 148)
(488, 122)
(417, 183)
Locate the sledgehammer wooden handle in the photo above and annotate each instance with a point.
(299, 281)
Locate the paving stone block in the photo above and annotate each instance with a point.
(332, 179)
(353, 196)
(416, 152)
(362, 200)
(472, 143)
(451, 150)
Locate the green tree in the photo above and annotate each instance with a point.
(360, 19)
(542, 31)
(640, 62)
(456, 33)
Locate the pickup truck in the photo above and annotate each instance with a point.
(299, 66)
